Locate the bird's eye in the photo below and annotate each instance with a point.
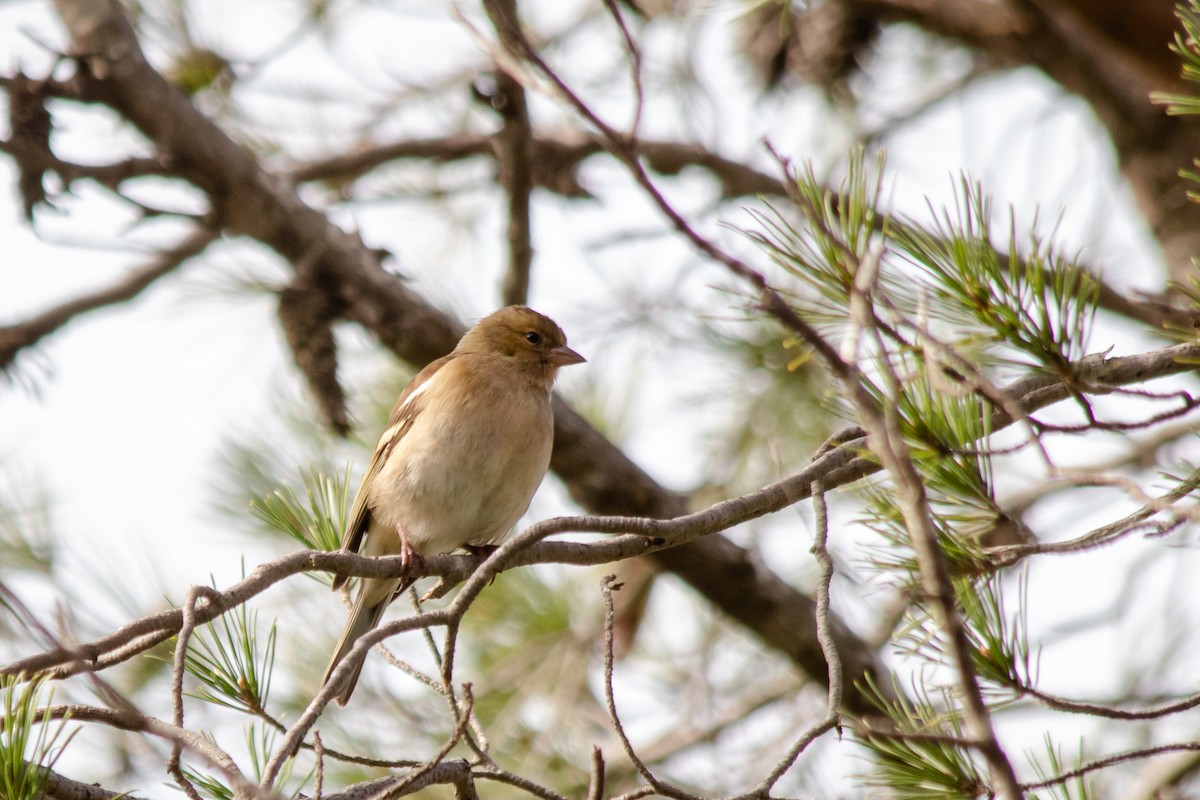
(533, 337)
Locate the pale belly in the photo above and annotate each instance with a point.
(450, 485)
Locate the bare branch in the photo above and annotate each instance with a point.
(833, 708)
(1112, 761)
(514, 151)
(596, 782)
(187, 626)
(456, 773)
(555, 161)
(1106, 534)
(319, 768)
(1107, 711)
(607, 587)
(887, 442)
(14, 338)
(635, 67)
(307, 312)
(524, 784)
(59, 787)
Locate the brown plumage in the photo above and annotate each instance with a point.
(466, 447)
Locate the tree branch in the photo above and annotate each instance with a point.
(60, 787)
(455, 773)
(14, 338)
(886, 441)
(514, 151)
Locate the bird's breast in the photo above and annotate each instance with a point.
(466, 470)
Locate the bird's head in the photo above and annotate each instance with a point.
(524, 335)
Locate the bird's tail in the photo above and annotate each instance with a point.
(364, 616)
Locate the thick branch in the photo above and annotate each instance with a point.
(554, 161)
(59, 787)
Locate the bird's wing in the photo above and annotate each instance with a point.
(407, 407)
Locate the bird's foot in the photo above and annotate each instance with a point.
(410, 559)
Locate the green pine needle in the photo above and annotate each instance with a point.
(208, 786)
(29, 742)
(1078, 788)
(824, 253)
(224, 656)
(999, 640)
(1187, 47)
(921, 768)
(260, 745)
(316, 519)
(1037, 303)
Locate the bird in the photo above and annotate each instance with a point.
(467, 445)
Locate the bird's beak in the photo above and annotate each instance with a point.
(564, 357)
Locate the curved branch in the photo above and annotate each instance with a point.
(555, 161)
(454, 773)
(16, 337)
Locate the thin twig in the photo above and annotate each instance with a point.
(1110, 761)
(596, 782)
(635, 68)
(607, 586)
(319, 769)
(887, 442)
(1106, 534)
(636, 794)
(514, 156)
(178, 670)
(415, 775)
(456, 773)
(832, 718)
(520, 782)
(1141, 453)
(1108, 712)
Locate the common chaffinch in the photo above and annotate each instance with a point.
(466, 446)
